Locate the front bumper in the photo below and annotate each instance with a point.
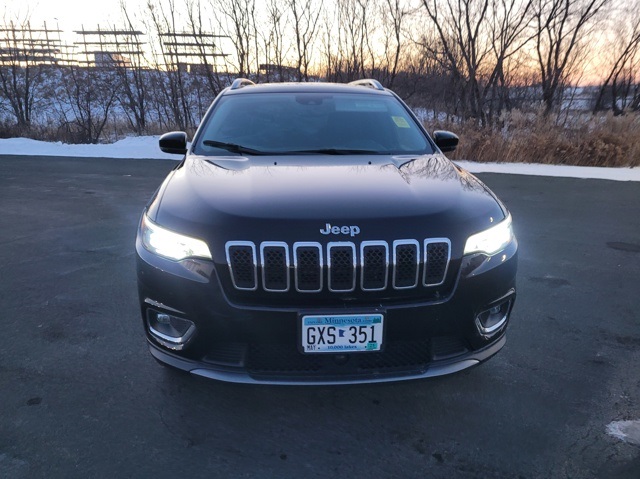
(258, 343)
(238, 375)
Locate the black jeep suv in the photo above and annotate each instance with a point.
(316, 234)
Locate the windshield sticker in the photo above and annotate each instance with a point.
(400, 122)
(361, 105)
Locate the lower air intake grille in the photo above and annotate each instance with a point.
(284, 360)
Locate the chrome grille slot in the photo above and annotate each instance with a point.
(241, 258)
(437, 253)
(274, 258)
(336, 266)
(374, 257)
(307, 260)
(406, 258)
(341, 261)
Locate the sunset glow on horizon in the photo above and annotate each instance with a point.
(70, 16)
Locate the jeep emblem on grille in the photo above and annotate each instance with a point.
(340, 230)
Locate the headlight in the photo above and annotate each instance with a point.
(169, 244)
(492, 240)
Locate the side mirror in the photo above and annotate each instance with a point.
(174, 142)
(445, 140)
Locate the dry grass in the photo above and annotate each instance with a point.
(519, 138)
(591, 141)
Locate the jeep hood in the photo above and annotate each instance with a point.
(295, 196)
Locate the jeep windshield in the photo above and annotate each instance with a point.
(310, 123)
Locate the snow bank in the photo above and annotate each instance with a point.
(147, 147)
(627, 431)
(136, 147)
(616, 174)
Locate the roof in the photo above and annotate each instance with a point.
(246, 87)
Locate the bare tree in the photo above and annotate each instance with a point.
(276, 44)
(171, 90)
(625, 49)
(559, 30)
(394, 14)
(306, 14)
(330, 36)
(475, 39)
(509, 20)
(353, 56)
(22, 69)
(85, 98)
(133, 77)
(206, 43)
(458, 28)
(239, 24)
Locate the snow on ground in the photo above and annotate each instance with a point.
(627, 431)
(132, 147)
(147, 147)
(616, 174)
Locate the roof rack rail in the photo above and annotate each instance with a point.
(240, 82)
(369, 83)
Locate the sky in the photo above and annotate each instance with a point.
(68, 15)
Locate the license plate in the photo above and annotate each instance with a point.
(342, 333)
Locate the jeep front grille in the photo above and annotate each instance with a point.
(406, 260)
(436, 254)
(274, 259)
(375, 265)
(348, 265)
(341, 264)
(308, 260)
(242, 255)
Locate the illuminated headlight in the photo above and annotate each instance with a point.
(169, 244)
(492, 240)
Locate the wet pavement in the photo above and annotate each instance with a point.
(80, 396)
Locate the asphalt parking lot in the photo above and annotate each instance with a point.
(80, 396)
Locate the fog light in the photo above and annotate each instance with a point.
(492, 320)
(171, 331)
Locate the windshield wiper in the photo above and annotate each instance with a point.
(334, 151)
(232, 147)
